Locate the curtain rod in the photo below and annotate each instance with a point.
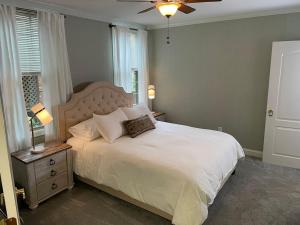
(112, 25)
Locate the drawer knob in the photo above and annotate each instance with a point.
(53, 173)
(52, 162)
(54, 186)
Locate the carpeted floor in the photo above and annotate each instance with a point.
(259, 194)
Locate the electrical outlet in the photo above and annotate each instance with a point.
(220, 129)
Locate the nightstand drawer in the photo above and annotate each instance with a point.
(51, 160)
(50, 166)
(50, 187)
(45, 173)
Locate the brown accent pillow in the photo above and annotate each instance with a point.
(138, 126)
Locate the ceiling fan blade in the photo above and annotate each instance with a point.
(199, 1)
(147, 10)
(186, 9)
(136, 1)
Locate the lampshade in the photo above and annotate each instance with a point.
(168, 8)
(38, 107)
(42, 114)
(151, 92)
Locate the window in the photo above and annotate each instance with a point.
(29, 53)
(134, 67)
(135, 85)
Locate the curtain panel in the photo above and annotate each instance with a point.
(55, 69)
(17, 125)
(122, 60)
(143, 65)
(129, 53)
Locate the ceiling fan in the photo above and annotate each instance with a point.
(169, 8)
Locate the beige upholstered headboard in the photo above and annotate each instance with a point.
(99, 98)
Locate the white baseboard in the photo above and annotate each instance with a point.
(253, 153)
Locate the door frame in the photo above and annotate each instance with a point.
(7, 172)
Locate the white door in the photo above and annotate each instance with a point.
(282, 133)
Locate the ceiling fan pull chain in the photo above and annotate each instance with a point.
(168, 37)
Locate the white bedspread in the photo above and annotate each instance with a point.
(177, 169)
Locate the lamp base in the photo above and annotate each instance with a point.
(43, 147)
(38, 149)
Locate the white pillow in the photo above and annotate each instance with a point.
(138, 111)
(111, 126)
(86, 130)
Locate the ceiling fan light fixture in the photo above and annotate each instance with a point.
(168, 8)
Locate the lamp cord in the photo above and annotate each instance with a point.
(168, 37)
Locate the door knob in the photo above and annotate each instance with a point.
(11, 221)
(270, 113)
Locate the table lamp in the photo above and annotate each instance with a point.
(151, 94)
(45, 118)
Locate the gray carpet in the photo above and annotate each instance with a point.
(259, 194)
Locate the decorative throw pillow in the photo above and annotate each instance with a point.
(138, 111)
(86, 130)
(110, 126)
(138, 126)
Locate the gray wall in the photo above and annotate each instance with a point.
(90, 49)
(217, 74)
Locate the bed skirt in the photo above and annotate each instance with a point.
(124, 197)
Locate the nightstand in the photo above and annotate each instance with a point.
(43, 175)
(160, 116)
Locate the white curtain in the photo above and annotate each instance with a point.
(143, 66)
(18, 132)
(56, 75)
(130, 50)
(122, 59)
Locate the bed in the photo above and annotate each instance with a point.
(174, 171)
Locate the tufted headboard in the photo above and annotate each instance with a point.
(98, 97)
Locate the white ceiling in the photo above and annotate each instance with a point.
(111, 10)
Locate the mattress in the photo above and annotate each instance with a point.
(175, 168)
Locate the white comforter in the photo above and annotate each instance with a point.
(177, 169)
